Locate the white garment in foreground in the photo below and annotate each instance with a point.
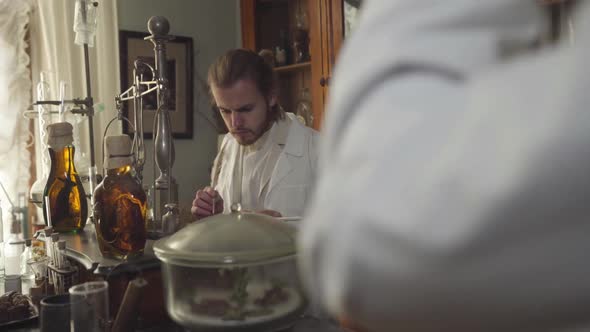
(454, 183)
(284, 172)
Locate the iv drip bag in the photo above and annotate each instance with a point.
(85, 22)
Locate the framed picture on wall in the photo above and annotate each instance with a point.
(179, 63)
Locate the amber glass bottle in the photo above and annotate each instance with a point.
(67, 199)
(120, 203)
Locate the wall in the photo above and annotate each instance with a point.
(214, 27)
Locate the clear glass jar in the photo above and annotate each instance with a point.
(232, 272)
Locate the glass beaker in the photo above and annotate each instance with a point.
(55, 313)
(92, 313)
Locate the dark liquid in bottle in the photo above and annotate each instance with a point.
(67, 199)
(120, 211)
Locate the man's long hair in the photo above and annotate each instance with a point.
(238, 64)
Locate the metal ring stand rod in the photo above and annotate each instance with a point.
(162, 131)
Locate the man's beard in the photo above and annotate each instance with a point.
(247, 137)
(243, 136)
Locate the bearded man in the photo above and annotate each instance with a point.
(267, 160)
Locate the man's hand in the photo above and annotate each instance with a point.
(207, 202)
(271, 213)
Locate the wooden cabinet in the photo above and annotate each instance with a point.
(268, 24)
(327, 35)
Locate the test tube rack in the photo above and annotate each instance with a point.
(62, 278)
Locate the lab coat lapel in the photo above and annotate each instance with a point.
(281, 170)
(292, 147)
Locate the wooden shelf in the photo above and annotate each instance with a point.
(267, 24)
(291, 68)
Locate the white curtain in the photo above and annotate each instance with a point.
(54, 52)
(15, 92)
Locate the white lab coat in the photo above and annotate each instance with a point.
(454, 182)
(289, 184)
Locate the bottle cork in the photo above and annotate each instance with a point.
(117, 151)
(59, 135)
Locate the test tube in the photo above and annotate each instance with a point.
(48, 212)
(54, 240)
(61, 247)
(62, 97)
(48, 243)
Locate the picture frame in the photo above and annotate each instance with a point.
(179, 57)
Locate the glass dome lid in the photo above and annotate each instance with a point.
(228, 239)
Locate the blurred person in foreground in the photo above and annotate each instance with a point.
(465, 155)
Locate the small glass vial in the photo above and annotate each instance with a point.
(13, 248)
(171, 220)
(25, 269)
(150, 221)
(120, 203)
(67, 199)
